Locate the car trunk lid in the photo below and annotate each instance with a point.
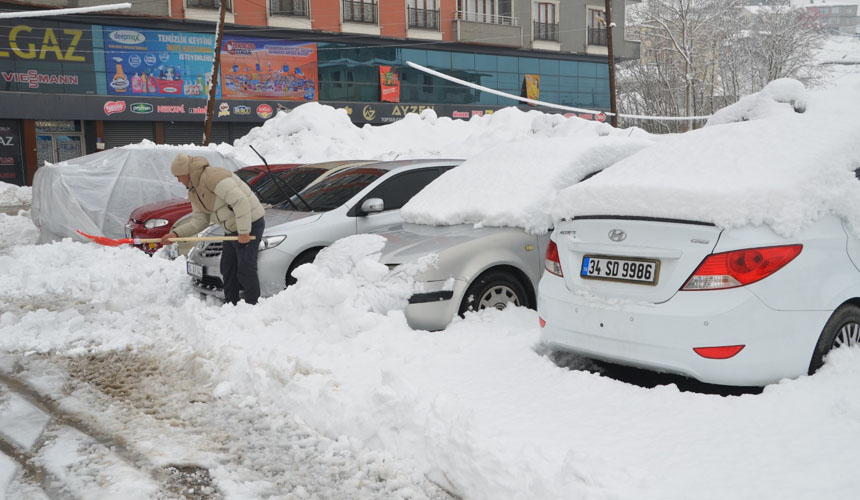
(674, 249)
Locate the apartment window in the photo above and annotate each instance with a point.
(208, 4)
(360, 11)
(486, 11)
(545, 27)
(296, 8)
(596, 28)
(423, 14)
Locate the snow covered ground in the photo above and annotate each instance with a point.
(117, 382)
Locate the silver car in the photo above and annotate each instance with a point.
(360, 199)
(477, 268)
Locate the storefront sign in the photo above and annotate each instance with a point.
(158, 63)
(264, 111)
(389, 85)
(142, 108)
(113, 107)
(11, 161)
(260, 68)
(47, 57)
(532, 88)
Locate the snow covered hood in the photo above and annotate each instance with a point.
(779, 167)
(514, 185)
(96, 193)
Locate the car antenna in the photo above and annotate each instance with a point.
(277, 180)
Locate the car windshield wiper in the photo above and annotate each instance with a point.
(276, 179)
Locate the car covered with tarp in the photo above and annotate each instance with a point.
(96, 193)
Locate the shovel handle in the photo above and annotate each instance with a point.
(138, 241)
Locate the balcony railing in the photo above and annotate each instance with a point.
(597, 36)
(423, 18)
(546, 31)
(359, 12)
(208, 4)
(295, 8)
(477, 17)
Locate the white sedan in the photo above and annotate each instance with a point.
(732, 307)
(728, 254)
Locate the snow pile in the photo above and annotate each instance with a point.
(473, 407)
(17, 230)
(523, 157)
(779, 96)
(10, 194)
(314, 132)
(516, 183)
(784, 170)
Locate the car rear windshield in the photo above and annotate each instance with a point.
(335, 190)
(246, 175)
(274, 192)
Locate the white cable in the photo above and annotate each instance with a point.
(547, 104)
(56, 12)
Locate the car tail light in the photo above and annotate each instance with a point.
(541, 322)
(551, 263)
(721, 352)
(740, 267)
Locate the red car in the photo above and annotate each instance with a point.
(155, 219)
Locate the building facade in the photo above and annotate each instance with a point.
(74, 85)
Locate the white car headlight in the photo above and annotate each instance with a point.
(267, 242)
(153, 223)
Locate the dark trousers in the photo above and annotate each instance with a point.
(239, 266)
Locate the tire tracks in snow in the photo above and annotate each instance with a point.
(173, 481)
(159, 403)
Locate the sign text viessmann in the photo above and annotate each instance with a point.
(47, 57)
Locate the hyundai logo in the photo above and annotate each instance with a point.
(617, 235)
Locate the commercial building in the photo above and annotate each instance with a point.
(75, 84)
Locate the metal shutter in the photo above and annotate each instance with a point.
(179, 133)
(241, 129)
(122, 133)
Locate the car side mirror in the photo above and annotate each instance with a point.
(372, 205)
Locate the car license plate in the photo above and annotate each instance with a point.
(639, 271)
(195, 270)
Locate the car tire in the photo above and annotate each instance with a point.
(493, 289)
(843, 328)
(305, 258)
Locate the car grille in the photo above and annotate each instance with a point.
(211, 249)
(210, 282)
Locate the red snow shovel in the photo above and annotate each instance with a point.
(110, 242)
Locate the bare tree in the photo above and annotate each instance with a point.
(700, 55)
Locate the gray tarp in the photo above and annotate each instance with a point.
(96, 193)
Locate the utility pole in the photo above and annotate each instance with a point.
(612, 102)
(213, 84)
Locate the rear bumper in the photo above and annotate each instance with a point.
(661, 337)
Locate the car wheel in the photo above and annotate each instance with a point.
(842, 329)
(305, 258)
(493, 289)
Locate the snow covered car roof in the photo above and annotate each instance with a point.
(514, 185)
(776, 166)
(96, 193)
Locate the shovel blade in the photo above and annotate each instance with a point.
(103, 240)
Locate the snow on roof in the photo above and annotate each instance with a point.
(783, 169)
(515, 184)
